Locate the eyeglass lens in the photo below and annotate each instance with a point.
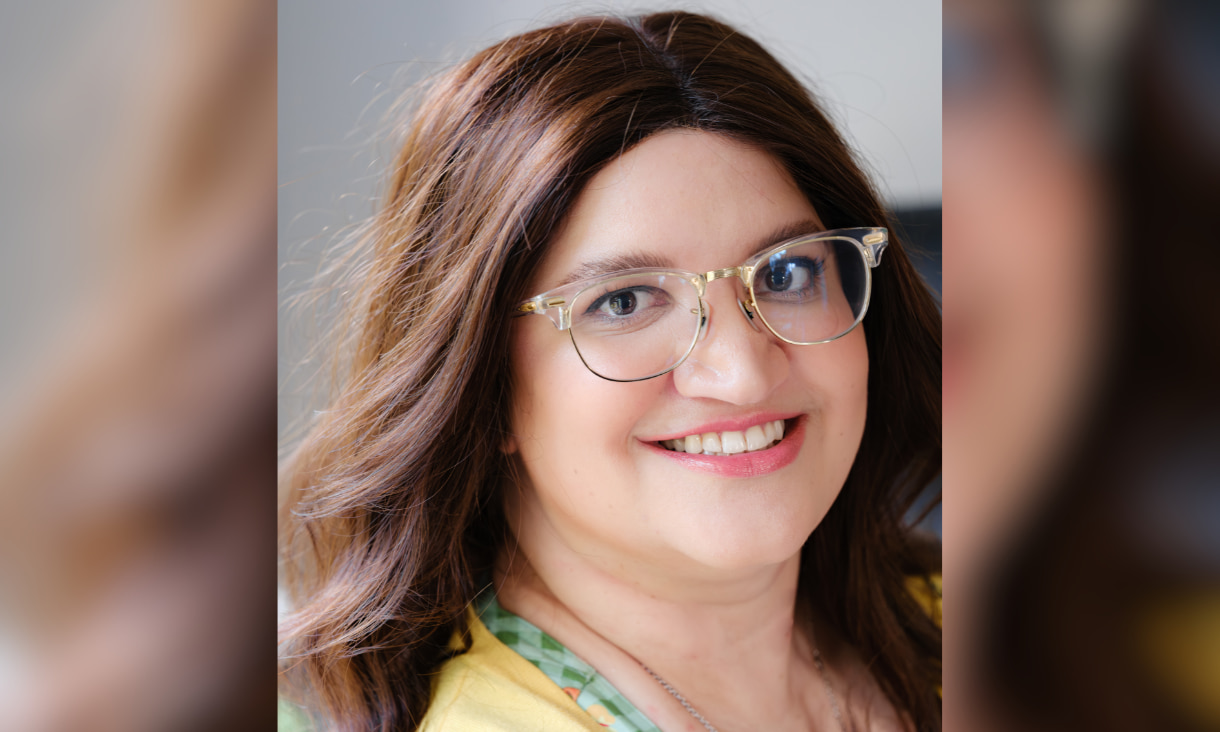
(637, 326)
(811, 292)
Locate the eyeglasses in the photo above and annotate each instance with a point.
(638, 324)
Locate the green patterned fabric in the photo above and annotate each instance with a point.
(581, 681)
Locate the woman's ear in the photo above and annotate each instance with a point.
(508, 445)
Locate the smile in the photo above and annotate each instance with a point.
(729, 442)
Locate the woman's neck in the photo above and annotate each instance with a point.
(724, 639)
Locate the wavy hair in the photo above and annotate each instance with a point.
(391, 510)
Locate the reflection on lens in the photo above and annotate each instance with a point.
(635, 326)
(812, 291)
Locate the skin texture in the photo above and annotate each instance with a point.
(624, 554)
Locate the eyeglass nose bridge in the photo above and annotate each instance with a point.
(744, 273)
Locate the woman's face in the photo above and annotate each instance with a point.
(595, 476)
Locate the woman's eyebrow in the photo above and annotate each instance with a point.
(612, 264)
(785, 232)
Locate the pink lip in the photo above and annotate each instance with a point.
(742, 465)
(728, 424)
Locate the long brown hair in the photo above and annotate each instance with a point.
(391, 503)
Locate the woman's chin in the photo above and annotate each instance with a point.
(763, 528)
(740, 545)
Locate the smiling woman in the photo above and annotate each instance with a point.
(593, 449)
(678, 500)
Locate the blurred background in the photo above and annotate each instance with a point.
(137, 373)
(1082, 334)
(1082, 347)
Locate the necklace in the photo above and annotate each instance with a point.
(817, 661)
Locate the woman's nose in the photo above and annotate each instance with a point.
(736, 360)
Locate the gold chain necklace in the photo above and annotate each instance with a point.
(817, 661)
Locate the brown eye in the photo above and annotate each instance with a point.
(622, 302)
(778, 278)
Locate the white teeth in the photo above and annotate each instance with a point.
(732, 442)
(757, 437)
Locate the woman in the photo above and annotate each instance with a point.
(626, 491)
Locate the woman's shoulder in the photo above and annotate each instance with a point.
(487, 687)
(490, 687)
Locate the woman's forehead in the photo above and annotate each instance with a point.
(680, 198)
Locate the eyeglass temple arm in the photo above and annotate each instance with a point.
(552, 307)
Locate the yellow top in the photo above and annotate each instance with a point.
(927, 592)
(491, 687)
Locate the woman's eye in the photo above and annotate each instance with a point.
(622, 302)
(779, 278)
(626, 302)
(796, 274)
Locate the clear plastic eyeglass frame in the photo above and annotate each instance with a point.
(557, 304)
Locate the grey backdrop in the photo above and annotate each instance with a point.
(874, 63)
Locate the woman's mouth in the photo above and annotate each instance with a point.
(753, 452)
(729, 442)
